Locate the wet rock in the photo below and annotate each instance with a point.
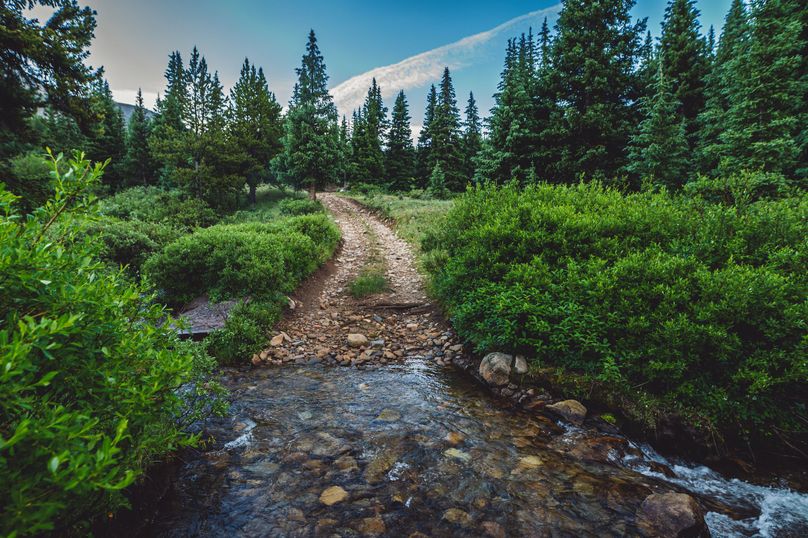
(378, 467)
(346, 464)
(570, 410)
(493, 529)
(377, 344)
(357, 340)
(333, 495)
(458, 454)
(372, 526)
(495, 368)
(389, 415)
(458, 517)
(671, 514)
(454, 438)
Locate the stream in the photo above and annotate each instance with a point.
(415, 449)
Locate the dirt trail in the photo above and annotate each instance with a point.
(395, 324)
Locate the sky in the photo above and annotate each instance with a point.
(404, 44)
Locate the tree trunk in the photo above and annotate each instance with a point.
(312, 192)
(253, 198)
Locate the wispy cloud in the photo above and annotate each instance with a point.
(426, 67)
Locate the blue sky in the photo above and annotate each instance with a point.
(134, 38)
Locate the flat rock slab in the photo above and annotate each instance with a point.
(203, 317)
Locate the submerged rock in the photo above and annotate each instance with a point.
(570, 410)
(333, 495)
(457, 516)
(671, 514)
(495, 368)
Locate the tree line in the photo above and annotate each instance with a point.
(595, 98)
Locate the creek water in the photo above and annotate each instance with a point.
(418, 448)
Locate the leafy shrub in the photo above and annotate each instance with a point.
(96, 385)
(740, 189)
(152, 204)
(234, 260)
(702, 305)
(131, 242)
(292, 207)
(245, 331)
(30, 180)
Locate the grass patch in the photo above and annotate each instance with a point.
(369, 282)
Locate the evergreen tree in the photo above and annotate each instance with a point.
(764, 127)
(444, 131)
(311, 141)
(712, 121)
(255, 126)
(472, 137)
(400, 156)
(140, 165)
(42, 67)
(595, 86)
(345, 151)
(368, 154)
(168, 127)
(107, 139)
(659, 150)
(424, 157)
(686, 62)
(437, 183)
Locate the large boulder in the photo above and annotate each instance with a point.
(495, 368)
(570, 410)
(357, 340)
(674, 515)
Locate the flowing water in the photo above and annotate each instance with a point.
(420, 450)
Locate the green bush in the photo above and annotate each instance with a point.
(293, 207)
(30, 180)
(701, 305)
(95, 385)
(155, 205)
(235, 260)
(245, 330)
(131, 242)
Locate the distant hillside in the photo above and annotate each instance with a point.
(128, 109)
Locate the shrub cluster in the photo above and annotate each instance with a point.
(299, 206)
(701, 305)
(233, 260)
(152, 204)
(95, 385)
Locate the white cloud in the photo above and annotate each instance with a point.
(425, 67)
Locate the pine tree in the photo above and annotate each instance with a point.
(594, 83)
(686, 62)
(712, 121)
(424, 157)
(659, 150)
(400, 156)
(107, 140)
(311, 141)
(255, 126)
(140, 165)
(368, 155)
(472, 137)
(444, 130)
(345, 151)
(767, 93)
(43, 67)
(437, 183)
(168, 127)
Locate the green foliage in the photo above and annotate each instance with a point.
(702, 305)
(244, 332)
(152, 204)
(294, 207)
(437, 183)
(368, 283)
(369, 127)
(229, 260)
(425, 162)
(130, 242)
(30, 180)
(139, 166)
(96, 385)
(741, 189)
